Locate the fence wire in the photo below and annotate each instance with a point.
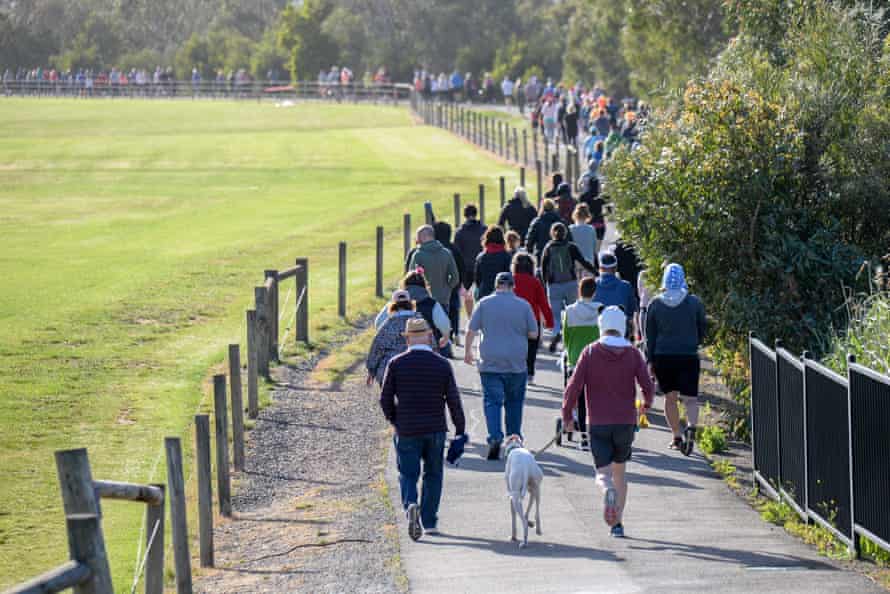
(141, 567)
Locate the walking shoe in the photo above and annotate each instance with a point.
(610, 506)
(555, 342)
(688, 441)
(531, 379)
(617, 530)
(414, 529)
(433, 531)
(584, 442)
(494, 450)
(676, 444)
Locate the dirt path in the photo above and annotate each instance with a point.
(311, 513)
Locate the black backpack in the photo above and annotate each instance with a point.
(561, 268)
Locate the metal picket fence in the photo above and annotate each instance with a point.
(821, 442)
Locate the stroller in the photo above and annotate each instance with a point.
(575, 339)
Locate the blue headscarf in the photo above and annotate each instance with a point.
(674, 278)
(674, 284)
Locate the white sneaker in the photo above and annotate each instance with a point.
(431, 531)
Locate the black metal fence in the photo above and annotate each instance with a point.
(821, 442)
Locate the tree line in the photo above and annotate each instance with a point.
(631, 48)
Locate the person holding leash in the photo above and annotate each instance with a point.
(417, 386)
(607, 373)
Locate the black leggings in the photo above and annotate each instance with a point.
(533, 352)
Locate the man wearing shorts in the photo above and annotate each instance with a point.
(675, 327)
(608, 372)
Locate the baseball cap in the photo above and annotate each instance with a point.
(503, 278)
(400, 295)
(608, 260)
(613, 318)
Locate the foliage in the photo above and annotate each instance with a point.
(865, 337)
(712, 439)
(310, 48)
(727, 471)
(220, 50)
(756, 182)
(19, 45)
(97, 44)
(593, 48)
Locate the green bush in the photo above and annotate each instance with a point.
(712, 439)
(865, 337)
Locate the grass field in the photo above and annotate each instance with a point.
(131, 235)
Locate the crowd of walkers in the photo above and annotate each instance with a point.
(536, 270)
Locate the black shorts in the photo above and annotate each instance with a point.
(677, 373)
(600, 232)
(611, 443)
(468, 279)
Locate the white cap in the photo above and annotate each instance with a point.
(613, 318)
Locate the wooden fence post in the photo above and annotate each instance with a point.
(341, 292)
(406, 229)
(252, 366)
(237, 406)
(503, 187)
(522, 176)
(500, 138)
(535, 143)
(272, 296)
(555, 167)
(205, 489)
(302, 280)
(482, 203)
(220, 415)
(515, 146)
(546, 157)
(525, 147)
(379, 263)
(86, 542)
(262, 330)
(154, 545)
(456, 211)
(178, 522)
(540, 182)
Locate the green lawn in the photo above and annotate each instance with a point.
(131, 235)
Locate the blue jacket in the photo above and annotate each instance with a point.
(611, 290)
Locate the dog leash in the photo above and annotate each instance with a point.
(544, 449)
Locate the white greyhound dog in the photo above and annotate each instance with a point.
(523, 476)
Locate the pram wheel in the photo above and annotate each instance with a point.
(559, 432)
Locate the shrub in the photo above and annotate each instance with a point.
(712, 439)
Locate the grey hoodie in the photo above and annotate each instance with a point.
(675, 326)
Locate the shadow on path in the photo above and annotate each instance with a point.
(750, 559)
(536, 548)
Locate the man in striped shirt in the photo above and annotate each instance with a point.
(417, 386)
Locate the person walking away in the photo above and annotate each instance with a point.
(443, 235)
(580, 327)
(611, 290)
(606, 374)
(549, 114)
(417, 388)
(565, 202)
(556, 179)
(539, 230)
(435, 315)
(518, 213)
(629, 264)
(675, 328)
(437, 263)
(506, 323)
(519, 95)
(571, 123)
(558, 271)
(493, 260)
(528, 287)
(644, 297)
(388, 341)
(584, 236)
(468, 241)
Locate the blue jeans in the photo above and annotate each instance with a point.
(409, 452)
(507, 391)
(561, 295)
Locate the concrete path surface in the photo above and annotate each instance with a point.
(685, 530)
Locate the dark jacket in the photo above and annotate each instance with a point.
(487, 267)
(416, 388)
(611, 290)
(439, 267)
(517, 216)
(444, 237)
(574, 253)
(468, 241)
(539, 233)
(629, 265)
(676, 329)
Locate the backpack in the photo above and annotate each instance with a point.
(561, 269)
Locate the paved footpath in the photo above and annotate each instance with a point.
(685, 530)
